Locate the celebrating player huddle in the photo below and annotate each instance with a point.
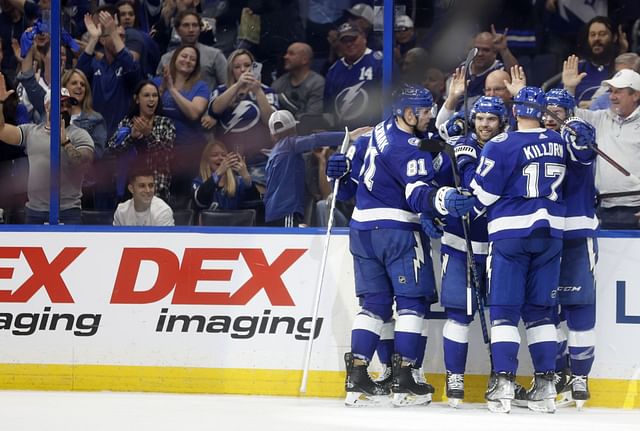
(515, 213)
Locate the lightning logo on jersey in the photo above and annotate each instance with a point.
(242, 118)
(348, 97)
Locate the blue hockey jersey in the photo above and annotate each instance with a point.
(519, 179)
(395, 181)
(580, 200)
(353, 91)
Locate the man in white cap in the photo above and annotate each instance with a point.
(405, 36)
(361, 15)
(617, 135)
(284, 196)
(76, 155)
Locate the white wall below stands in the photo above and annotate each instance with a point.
(118, 291)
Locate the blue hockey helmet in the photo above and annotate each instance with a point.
(562, 98)
(411, 96)
(489, 105)
(524, 103)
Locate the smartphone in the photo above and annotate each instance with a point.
(256, 69)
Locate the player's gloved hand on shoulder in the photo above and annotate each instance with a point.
(449, 201)
(455, 124)
(338, 166)
(433, 227)
(580, 136)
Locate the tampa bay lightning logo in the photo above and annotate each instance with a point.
(500, 138)
(352, 102)
(243, 117)
(414, 141)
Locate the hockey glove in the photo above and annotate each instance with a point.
(449, 201)
(580, 137)
(455, 124)
(338, 166)
(431, 226)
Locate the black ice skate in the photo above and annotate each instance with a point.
(562, 381)
(501, 392)
(385, 378)
(361, 390)
(580, 390)
(542, 395)
(409, 390)
(455, 388)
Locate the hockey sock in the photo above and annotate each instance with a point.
(541, 336)
(365, 334)
(385, 343)
(582, 337)
(455, 341)
(562, 356)
(505, 338)
(422, 343)
(407, 335)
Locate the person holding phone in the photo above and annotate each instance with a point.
(242, 108)
(76, 155)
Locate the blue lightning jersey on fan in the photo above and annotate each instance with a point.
(580, 200)
(467, 150)
(519, 180)
(352, 91)
(395, 181)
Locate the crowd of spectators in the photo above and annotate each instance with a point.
(184, 90)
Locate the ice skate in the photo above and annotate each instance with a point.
(409, 387)
(501, 392)
(455, 389)
(520, 396)
(563, 388)
(361, 390)
(385, 378)
(580, 390)
(542, 395)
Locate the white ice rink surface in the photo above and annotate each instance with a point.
(98, 411)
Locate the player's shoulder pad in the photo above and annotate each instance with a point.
(453, 141)
(461, 150)
(377, 55)
(500, 138)
(414, 141)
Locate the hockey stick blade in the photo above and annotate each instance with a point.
(431, 145)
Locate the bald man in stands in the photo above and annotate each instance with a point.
(300, 90)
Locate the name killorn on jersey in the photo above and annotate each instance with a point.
(543, 149)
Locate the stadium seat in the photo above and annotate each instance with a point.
(183, 217)
(246, 217)
(97, 217)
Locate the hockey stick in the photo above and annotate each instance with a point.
(617, 166)
(435, 145)
(323, 265)
(465, 219)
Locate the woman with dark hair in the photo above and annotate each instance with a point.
(145, 133)
(184, 97)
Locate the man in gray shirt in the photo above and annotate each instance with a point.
(76, 155)
(300, 90)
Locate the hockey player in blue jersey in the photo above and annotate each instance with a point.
(576, 290)
(519, 180)
(488, 118)
(388, 248)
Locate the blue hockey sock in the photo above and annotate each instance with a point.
(581, 351)
(505, 342)
(385, 344)
(407, 336)
(365, 335)
(542, 347)
(422, 343)
(562, 356)
(455, 344)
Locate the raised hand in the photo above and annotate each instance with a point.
(456, 86)
(570, 76)
(518, 80)
(499, 39)
(623, 43)
(95, 31)
(107, 22)
(4, 93)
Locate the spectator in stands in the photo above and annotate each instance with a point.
(628, 60)
(300, 89)
(323, 16)
(405, 36)
(75, 157)
(15, 17)
(242, 108)
(184, 99)
(617, 135)
(115, 76)
(148, 49)
(32, 84)
(213, 64)
(148, 136)
(82, 114)
(284, 198)
(361, 15)
(223, 181)
(352, 89)
(413, 64)
(144, 208)
(164, 31)
(603, 45)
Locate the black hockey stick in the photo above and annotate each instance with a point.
(467, 64)
(435, 145)
(562, 122)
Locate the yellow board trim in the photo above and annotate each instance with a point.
(604, 392)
